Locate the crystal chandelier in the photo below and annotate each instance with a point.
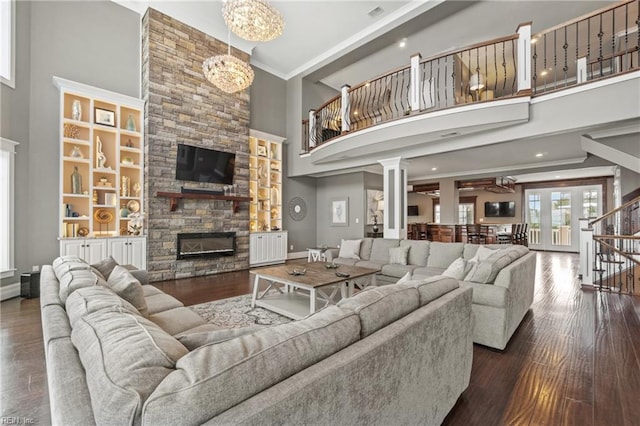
(254, 20)
(227, 72)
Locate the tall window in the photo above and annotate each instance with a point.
(7, 153)
(7, 42)
(465, 213)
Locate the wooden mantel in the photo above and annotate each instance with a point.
(175, 196)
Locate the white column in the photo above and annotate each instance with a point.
(395, 197)
(581, 70)
(586, 253)
(416, 83)
(345, 108)
(524, 57)
(312, 128)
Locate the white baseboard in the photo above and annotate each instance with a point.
(297, 255)
(9, 291)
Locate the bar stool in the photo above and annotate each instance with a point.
(477, 234)
(515, 233)
(524, 235)
(422, 231)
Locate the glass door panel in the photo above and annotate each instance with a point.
(561, 218)
(534, 217)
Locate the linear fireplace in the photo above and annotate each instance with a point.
(206, 244)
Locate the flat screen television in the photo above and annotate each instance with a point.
(412, 211)
(500, 209)
(204, 165)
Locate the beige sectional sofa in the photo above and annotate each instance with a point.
(503, 284)
(121, 352)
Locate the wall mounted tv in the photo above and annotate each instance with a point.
(204, 165)
(500, 209)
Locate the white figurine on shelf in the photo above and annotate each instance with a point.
(101, 159)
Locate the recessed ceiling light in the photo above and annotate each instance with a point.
(539, 154)
(543, 73)
(355, 112)
(403, 43)
(377, 11)
(557, 176)
(434, 169)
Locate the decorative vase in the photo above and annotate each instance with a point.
(375, 228)
(76, 110)
(76, 153)
(125, 186)
(76, 181)
(131, 124)
(124, 212)
(137, 188)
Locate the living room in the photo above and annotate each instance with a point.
(86, 49)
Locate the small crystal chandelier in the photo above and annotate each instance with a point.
(227, 72)
(254, 20)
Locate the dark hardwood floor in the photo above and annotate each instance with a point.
(574, 360)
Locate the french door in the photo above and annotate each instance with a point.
(553, 213)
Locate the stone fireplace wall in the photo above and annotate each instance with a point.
(183, 107)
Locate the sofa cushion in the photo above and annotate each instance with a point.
(399, 255)
(397, 271)
(425, 272)
(458, 269)
(380, 248)
(380, 306)
(138, 356)
(350, 249)
(431, 288)
(441, 255)
(406, 277)
(106, 266)
(93, 299)
(73, 280)
(193, 340)
(419, 251)
(177, 320)
(126, 286)
(214, 378)
(482, 253)
(63, 264)
(161, 302)
(487, 294)
(343, 261)
(365, 248)
(470, 250)
(149, 290)
(370, 264)
(485, 271)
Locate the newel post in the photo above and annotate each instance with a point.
(524, 57)
(345, 110)
(415, 89)
(312, 128)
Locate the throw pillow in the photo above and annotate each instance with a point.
(350, 249)
(192, 341)
(399, 254)
(457, 270)
(105, 266)
(483, 253)
(126, 286)
(406, 277)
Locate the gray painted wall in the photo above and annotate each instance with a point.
(85, 48)
(349, 186)
(14, 125)
(268, 95)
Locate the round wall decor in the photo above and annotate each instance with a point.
(297, 209)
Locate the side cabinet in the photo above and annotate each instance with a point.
(129, 251)
(267, 248)
(92, 250)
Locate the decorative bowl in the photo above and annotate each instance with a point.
(296, 272)
(331, 265)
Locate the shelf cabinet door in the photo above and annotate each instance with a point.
(118, 250)
(138, 252)
(95, 250)
(72, 248)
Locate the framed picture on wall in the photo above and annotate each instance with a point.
(375, 207)
(105, 117)
(340, 212)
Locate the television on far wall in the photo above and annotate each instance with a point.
(204, 165)
(500, 209)
(412, 211)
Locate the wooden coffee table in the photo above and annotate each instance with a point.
(296, 296)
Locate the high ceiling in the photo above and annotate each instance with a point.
(346, 42)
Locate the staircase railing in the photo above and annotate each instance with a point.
(610, 250)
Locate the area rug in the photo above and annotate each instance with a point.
(236, 312)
